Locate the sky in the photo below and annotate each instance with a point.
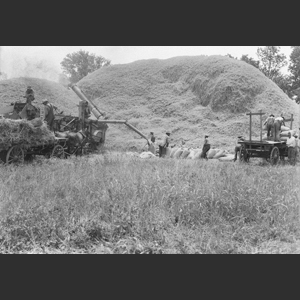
(44, 61)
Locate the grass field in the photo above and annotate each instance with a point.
(112, 203)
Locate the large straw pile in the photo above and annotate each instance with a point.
(23, 132)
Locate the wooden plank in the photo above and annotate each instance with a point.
(255, 114)
(250, 127)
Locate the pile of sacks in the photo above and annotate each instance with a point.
(283, 134)
(190, 153)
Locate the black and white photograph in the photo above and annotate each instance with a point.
(149, 149)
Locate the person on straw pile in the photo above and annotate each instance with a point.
(278, 122)
(291, 144)
(164, 144)
(237, 148)
(49, 113)
(206, 147)
(29, 111)
(29, 94)
(270, 125)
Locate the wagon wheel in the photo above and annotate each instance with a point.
(244, 156)
(274, 156)
(58, 152)
(15, 155)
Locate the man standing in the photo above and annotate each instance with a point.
(49, 113)
(164, 144)
(291, 144)
(237, 148)
(270, 125)
(205, 148)
(29, 94)
(278, 122)
(152, 137)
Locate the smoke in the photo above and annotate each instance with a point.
(15, 64)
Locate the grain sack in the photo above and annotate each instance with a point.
(198, 154)
(151, 148)
(178, 153)
(285, 133)
(211, 153)
(229, 157)
(219, 154)
(283, 139)
(173, 151)
(192, 154)
(147, 155)
(285, 128)
(265, 137)
(168, 152)
(185, 153)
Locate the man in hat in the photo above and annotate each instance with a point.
(237, 148)
(164, 144)
(291, 144)
(29, 94)
(270, 125)
(206, 147)
(49, 113)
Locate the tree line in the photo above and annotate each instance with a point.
(271, 61)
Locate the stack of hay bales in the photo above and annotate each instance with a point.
(27, 133)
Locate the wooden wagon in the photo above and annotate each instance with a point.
(18, 152)
(272, 151)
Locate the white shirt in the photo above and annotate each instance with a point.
(291, 142)
(279, 119)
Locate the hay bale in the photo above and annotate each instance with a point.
(219, 154)
(173, 151)
(178, 153)
(211, 153)
(185, 153)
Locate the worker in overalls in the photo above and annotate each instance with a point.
(278, 122)
(206, 147)
(49, 113)
(270, 126)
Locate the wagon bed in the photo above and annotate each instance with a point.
(270, 150)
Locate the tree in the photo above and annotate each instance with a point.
(79, 64)
(271, 61)
(294, 67)
(250, 61)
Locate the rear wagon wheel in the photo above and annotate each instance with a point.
(274, 156)
(58, 152)
(15, 155)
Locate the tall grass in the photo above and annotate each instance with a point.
(128, 205)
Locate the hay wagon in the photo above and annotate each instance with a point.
(272, 151)
(18, 152)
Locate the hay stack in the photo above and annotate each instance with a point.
(23, 132)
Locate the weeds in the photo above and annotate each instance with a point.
(136, 206)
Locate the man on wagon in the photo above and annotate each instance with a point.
(29, 94)
(49, 113)
(270, 125)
